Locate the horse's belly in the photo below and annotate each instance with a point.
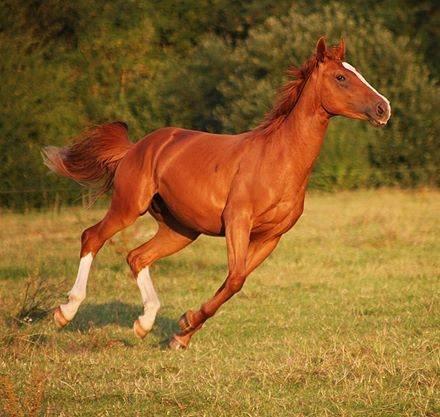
(201, 213)
(193, 174)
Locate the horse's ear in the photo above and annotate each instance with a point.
(320, 49)
(341, 50)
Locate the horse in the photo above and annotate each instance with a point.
(249, 187)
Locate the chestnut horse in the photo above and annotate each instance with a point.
(248, 187)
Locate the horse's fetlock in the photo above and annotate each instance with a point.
(76, 297)
(130, 258)
(153, 306)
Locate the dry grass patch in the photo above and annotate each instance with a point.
(342, 320)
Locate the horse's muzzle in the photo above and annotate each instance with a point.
(380, 113)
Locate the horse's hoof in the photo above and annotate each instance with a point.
(59, 318)
(184, 321)
(176, 344)
(138, 330)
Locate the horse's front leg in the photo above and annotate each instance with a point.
(237, 239)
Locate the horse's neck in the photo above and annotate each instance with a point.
(302, 133)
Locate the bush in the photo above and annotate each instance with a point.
(217, 68)
(354, 153)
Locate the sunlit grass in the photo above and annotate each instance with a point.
(342, 320)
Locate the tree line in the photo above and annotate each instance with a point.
(213, 65)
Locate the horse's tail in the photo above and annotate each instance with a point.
(93, 157)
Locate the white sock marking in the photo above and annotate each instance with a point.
(150, 300)
(78, 292)
(353, 70)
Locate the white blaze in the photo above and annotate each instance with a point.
(78, 292)
(353, 70)
(150, 300)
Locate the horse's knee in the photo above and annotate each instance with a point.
(235, 283)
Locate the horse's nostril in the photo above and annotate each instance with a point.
(380, 110)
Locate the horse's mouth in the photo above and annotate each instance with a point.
(378, 120)
(377, 123)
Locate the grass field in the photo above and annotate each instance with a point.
(342, 320)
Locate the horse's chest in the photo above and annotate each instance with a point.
(281, 217)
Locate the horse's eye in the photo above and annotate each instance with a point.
(340, 77)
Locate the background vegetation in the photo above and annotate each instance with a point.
(342, 320)
(213, 65)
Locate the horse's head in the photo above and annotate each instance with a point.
(344, 91)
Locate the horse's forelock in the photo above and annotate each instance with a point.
(290, 92)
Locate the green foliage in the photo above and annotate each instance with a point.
(186, 90)
(404, 153)
(214, 67)
(37, 107)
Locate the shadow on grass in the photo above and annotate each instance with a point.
(91, 316)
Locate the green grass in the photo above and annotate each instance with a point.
(342, 320)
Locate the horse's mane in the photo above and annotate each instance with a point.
(290, 92)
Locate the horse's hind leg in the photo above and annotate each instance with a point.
(122, 213)
(166, 242)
